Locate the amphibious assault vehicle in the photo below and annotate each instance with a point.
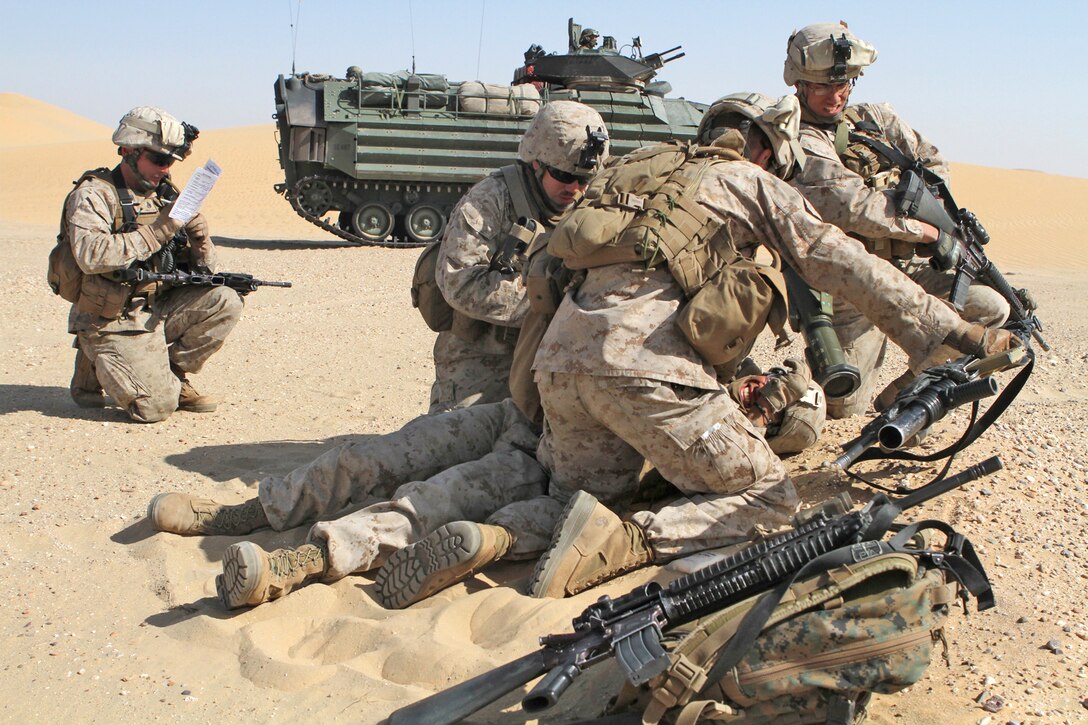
(381, 158)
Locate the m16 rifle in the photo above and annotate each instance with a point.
(630, 627)
(924, 196)
(241, 283)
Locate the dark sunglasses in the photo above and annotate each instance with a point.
(564, 177)
(159, 159)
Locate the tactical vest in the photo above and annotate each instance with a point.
(643, 210)
(862, 148)
(97, 294)
(428, 298)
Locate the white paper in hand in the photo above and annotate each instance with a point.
(195, 192)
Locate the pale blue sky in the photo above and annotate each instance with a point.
(992, 83)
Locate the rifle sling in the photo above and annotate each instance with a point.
(989, 418)
(960, 560)
(128, 202)
(904, 162)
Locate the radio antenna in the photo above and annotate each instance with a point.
(294, 30)
(480, 45)
(412, 34)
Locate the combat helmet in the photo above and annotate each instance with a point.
(148, 127)
(568, 136)
(826, 53)
(778, 118)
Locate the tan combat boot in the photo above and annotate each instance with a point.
(85, 388)
(450, 554)
(590, 545)
(180, 513)
(190, 400)
(252, 576)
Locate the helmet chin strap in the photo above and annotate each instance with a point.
(810, 116)
(142, 184)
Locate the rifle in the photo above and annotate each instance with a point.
(241, 283)
(928, 398)
(630, 627)
(924, 196)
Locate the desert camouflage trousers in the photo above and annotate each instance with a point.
(599, 431)
(188, 326)
(470, 373)
(864, 345)
(464, 465)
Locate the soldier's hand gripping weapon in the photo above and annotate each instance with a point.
(924, 196)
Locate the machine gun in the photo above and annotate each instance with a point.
(924, 196)
(630, 627)
(241, 283)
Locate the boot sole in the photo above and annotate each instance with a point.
(419, 570)
(241, 576)
(574, 518)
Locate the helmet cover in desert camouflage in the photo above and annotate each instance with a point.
(568, 136)
(778, 118)
(148, 127)
(826, 53)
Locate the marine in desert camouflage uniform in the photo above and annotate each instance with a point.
(138, 345)
(852, 187)
(462, 466)
(621, 384)
(472, 360)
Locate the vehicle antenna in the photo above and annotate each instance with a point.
(412, 33)
(294, 30)
(480, 45)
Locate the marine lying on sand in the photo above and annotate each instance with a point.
(755, 127)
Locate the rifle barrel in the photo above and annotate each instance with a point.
(458, 702)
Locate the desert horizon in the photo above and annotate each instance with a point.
(109, 621)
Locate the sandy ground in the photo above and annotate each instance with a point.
(108, 621)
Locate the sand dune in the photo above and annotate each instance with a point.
(108, 621)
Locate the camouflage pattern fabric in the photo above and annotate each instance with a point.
(472, 361)
(461, 465)
(599, 430)
(864, 345)
(620, 383)
(844, 199)
(133, 354)
(188, 326)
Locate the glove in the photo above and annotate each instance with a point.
(160, 231)
(982, 341)
(201, 249)
(944, 254)
(1026, 299)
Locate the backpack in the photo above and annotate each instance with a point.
(426, 296)
(643, 209)
(64, 275)
(832, 640)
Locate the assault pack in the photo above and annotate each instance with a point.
(643, 209)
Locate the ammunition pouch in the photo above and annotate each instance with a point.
(426, 297)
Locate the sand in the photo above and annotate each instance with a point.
(108, 621)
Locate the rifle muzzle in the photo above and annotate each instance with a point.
(550, 688)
